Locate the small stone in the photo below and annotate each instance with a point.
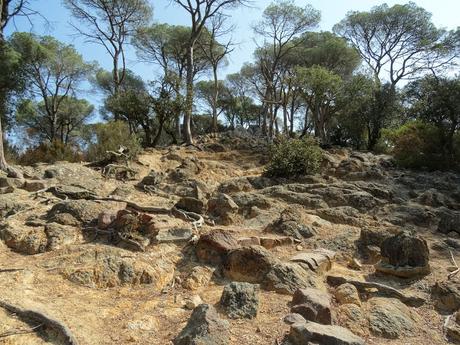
(34, 186)
(347, 293)
(299, 248)
(105, 219)
(193, 302)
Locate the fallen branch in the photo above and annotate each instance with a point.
(455, 272)
(43, 319)
(19, 331)
(384, 289)
(197, 220)
(7, 270)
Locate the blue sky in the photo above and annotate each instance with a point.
(445, 14)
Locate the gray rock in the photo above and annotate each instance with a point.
(222, 207)
(389, 318)
(404, 255)
(313, 304)
(311, 332)
(174, 235)
(60, 235)
(152, 179)
(240, 300)
(293, 318)
(204, 328)
(85, 211)
(290, 224)
(24, 240)
(192, 205)
(34, 186)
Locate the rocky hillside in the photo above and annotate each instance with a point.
(200, 248)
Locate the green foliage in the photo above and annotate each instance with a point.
(416, 145)
(294, 157)
(50, 153)
(103, 137)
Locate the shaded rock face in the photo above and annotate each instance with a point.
(10, 207)
(315, 333)
(313, 304)
(257, 265)
(449, 221)
(204, 328)
(60, 235)
(240, 300)
(214, 246)
(23, 240)
(191, 204)
(389, 318)
(290, 224)
(404, 255)
(222, 207)
(452, 327)
(447, 296)
(154, 178)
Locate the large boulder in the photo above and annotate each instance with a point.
(214, 246)
(24, 240)
(255, 264)
(313, 304)
(390, 318)
(85, 211)
(303, 333)
(204, 328)
(240, 300)
(347, 294)
(404, 255)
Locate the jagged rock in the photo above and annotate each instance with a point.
(404, 255)
(313, 305)
(9, 207)
(247, 201)
(318, 260)
(215, 147)
(390, 318)
(449, 221)
(290, 224)
(214, 246)
(174, 235)
(60, 235)
(24, 240)
(314, 333)
(34, 186)
(308, 200)
(272, 242)
(199, 276)
(204, 327)
(255, 264)
(7, 190)
(11, 182)
(341, 215)
(71, 192)
(65, 219)
(154, 178)
(447, 295)
(240, 300)
(452, 327)
(222, 207)
(240, 184)
(193, 302)
(192, 205)
(86, 211)
(347, 294)
(374, 236)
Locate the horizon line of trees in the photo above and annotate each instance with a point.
(382, 70)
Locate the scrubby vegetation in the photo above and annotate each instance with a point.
(295, 157)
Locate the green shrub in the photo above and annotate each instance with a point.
(103, 137)
(50, 153)
(294, 157)
(416, 145)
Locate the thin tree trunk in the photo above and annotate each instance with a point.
(215, 96)
(189, 98)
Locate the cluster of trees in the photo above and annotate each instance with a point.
(377, 71)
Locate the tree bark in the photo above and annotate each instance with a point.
(189, 98)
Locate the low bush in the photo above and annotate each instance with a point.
(294, 157)
(50, 153)
(103, 137)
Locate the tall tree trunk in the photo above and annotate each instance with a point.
(215, 97)
(116, 81)
(189, 98)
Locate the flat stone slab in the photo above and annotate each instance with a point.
(318, 260)
(174, 235)
(311, 332)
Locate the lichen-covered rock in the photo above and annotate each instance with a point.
(240, 300)
(347, 294)
(86, 211)
(60, 235)
(404, 255)
(24, 240)
(191, 204)
(290, 223)
(390, 318)
(204, 328)
(222, 208)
